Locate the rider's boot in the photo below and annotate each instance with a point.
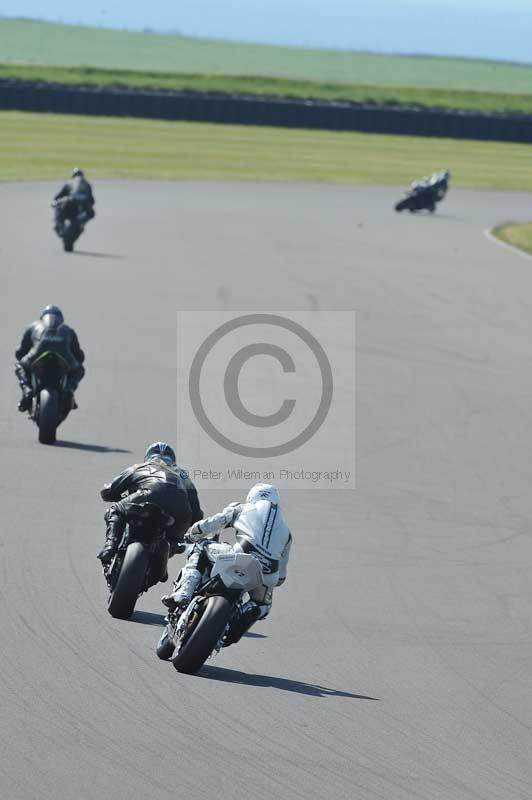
(113, 535)
(26, 400)
(189, 582)
(73, 381)
(251, 612)
(27, 393)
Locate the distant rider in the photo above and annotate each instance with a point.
(78, 189)
(159, 482)
(439, 181)
(49, 333)
(261, 531)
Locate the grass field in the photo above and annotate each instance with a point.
(446, 98)
(32, 42)
(46, 146)
(518, 235)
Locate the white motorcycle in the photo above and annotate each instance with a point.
(204, 626)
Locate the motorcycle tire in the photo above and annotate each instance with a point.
(130, 581)
(165, 648)
(402, 205)
(48, 416)
(205, 636)
(68, 236)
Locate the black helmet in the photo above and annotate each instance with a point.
(53, 311)
(77, 172)
(160, 451)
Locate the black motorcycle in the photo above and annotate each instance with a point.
(69, 222)
(51, 399)
(424, 195)
(140, 562)
(207, 624)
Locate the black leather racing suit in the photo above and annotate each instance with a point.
(47, 335)
(77, 189)
(153, 483)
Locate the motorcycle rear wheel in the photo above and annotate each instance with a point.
(130, 581)
(205, 636)
(48, 416)
(404, 204)
(71, 232)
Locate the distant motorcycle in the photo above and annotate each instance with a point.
(140, 561)
(52, 402)
(425, 194)
(204, 626)
(69, 220)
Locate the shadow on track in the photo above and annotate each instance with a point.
(248, 679)
(93, 448)
(147, 618)
(443, 215)
(96, 255)
(428, 215)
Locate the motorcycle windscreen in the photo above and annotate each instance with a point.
(238, 571)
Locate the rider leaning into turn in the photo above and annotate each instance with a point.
(261, 531)
(77, 188)
(48, 334)
(159, 482)
(430, 181)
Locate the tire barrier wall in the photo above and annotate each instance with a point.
(255, 110)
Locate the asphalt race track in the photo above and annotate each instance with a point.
(396, 663)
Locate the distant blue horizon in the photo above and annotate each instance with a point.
(472, 29)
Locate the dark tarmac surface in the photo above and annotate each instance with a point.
(397, 660)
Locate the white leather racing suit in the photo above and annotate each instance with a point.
(261, 531)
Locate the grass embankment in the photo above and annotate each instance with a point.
(44, 146)
(518, 235)
(264, 85)
(34, 42)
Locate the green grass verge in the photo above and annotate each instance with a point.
(518, 235)
(34, 42)
(264, 85)
(45, 146)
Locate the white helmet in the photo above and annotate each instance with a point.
(263, 491)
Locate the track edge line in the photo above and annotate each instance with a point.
(488, 233)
